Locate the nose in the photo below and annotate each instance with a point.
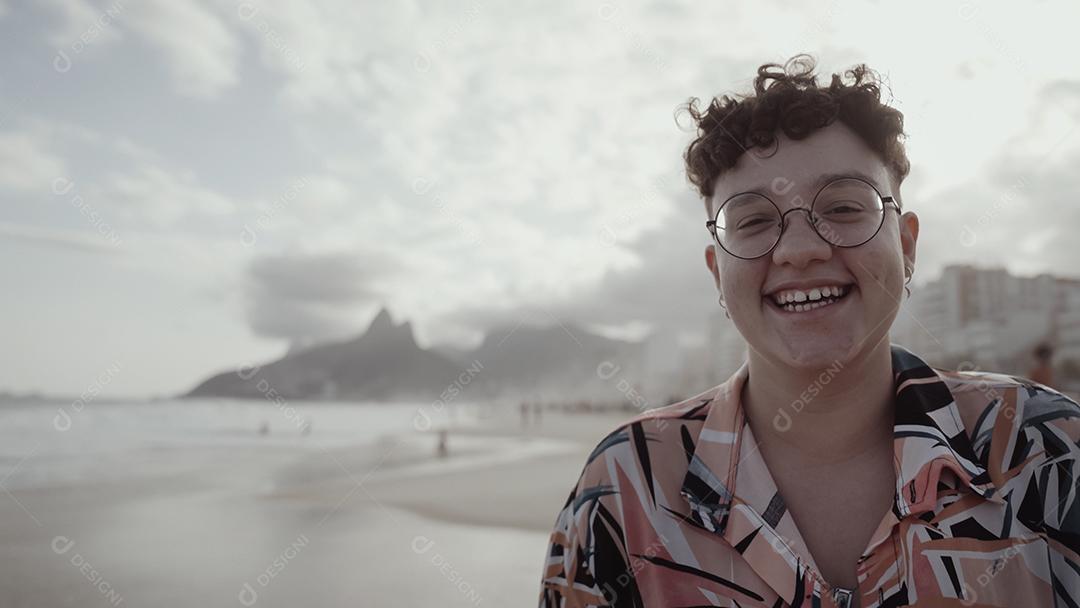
(799, 243)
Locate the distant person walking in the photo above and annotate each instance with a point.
(1043, 372)
(442, 450)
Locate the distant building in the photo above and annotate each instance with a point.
(678, 366)
(1068, 347)
(989, 318)
(661, 364)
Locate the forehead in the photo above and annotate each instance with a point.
(802, 166)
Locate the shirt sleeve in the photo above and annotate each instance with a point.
(568, 576)
(1052, 501)
(569, 579)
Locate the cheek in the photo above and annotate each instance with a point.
(742, 285)
(880, 271)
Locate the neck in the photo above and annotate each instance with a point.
(824, 416)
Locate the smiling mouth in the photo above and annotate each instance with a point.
(810, 304)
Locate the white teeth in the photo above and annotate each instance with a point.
(805, 307)
(798, 301)
(812, 295)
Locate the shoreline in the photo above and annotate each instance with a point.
(526, 474)
(386, 522)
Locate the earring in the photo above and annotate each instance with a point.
(908, 273)
(724, 307)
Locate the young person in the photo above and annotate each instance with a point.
(834, 468)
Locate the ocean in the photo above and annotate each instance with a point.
(54, 443)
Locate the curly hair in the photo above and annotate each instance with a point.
(791, 100)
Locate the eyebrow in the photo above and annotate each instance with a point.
(822, 180)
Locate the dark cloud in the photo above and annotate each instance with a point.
(314, 297)
(670, 289)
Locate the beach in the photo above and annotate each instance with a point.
(383, 522)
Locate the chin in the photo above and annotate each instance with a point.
(816, 353)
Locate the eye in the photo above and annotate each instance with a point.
(752, 222)
(844, 208)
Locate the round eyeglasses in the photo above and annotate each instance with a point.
(846, 212)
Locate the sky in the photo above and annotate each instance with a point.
(188, 186)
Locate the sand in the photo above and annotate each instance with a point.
(389, 524)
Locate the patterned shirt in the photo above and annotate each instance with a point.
(675, 507)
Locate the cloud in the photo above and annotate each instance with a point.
(199, 47)
(330, 52)
(67, 239)
(154, 196)
(488, 158)
(202, 50)
(668, 289)
(1021, 211)
(310, 297)
(112, 181)
(26, 164)
(82, 22)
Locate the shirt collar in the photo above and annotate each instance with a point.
(932, 447)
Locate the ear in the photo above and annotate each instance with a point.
(909, 237)
(713, 265)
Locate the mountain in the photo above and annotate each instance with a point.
(561, 362)
(382, 364)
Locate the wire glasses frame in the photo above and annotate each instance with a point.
(814, 220)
